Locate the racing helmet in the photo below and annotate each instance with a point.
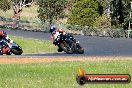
(61, 30)
(52, 29)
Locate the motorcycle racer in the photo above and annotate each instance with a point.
(54, 36)
(4, 37)
(65, 41)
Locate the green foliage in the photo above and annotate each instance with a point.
(27, 1)
(103, 21)
(120, 12)
(84, 12)
(100, 9)
(51, 9)
(117, 15)
(18, 1)
(127, 14)
(5, 5)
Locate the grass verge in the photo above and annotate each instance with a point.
(34, 45)
(60, 74)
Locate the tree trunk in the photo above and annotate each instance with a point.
(17, 13)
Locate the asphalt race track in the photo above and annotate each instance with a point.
(93, 45)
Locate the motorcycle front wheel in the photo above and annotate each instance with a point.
(80, 50)
(66, 48)
(17, 50)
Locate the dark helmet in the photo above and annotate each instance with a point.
(52, 29)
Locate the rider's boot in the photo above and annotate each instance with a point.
(59, 49)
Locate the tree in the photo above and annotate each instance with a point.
(100, 9)
(70, 4)
(18, 5)
(120, 12)
(84, 12)
(117, 16)
(5, 5)
(50, 10)
(102, 6)
(127, 10)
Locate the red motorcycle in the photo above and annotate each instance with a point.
(10, 48)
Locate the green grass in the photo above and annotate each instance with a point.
(34, 45)
(59, 74)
